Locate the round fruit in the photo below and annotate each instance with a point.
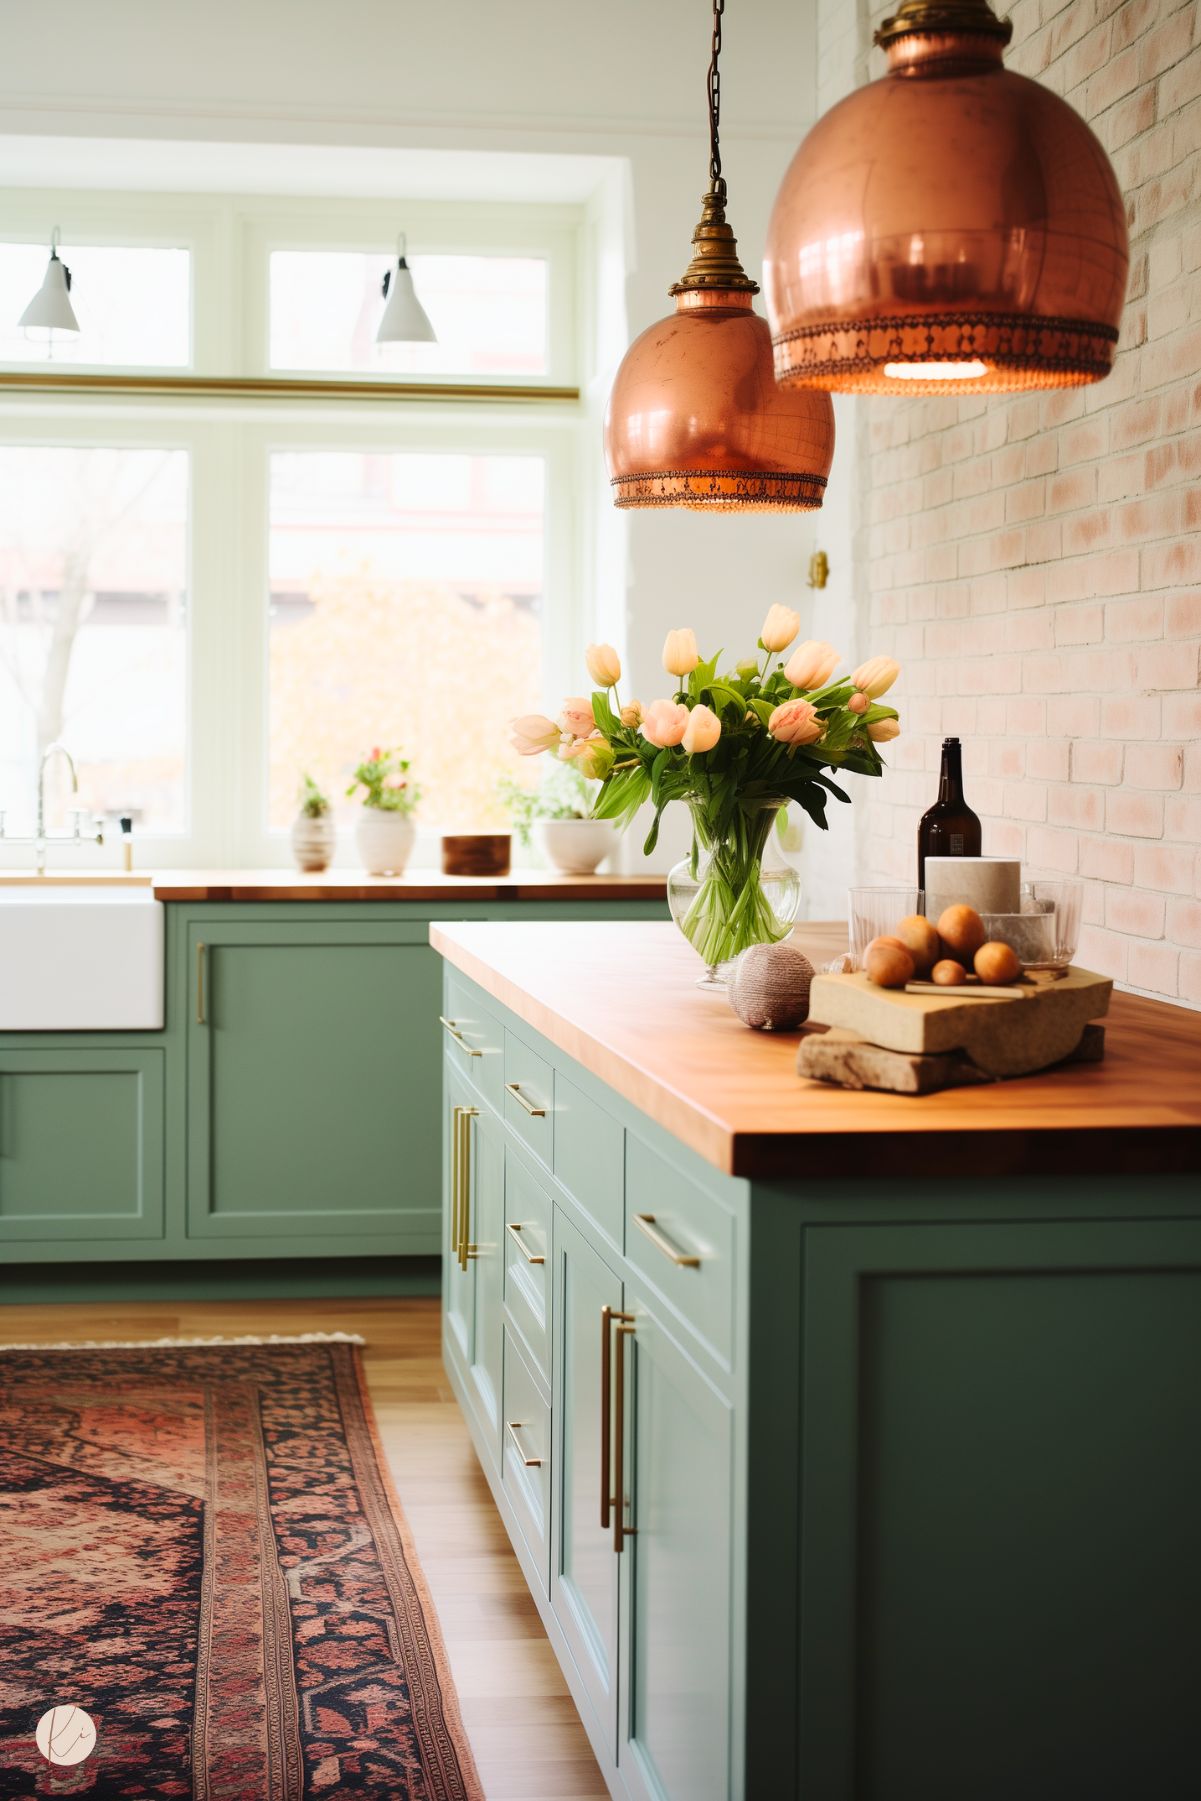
(885, 938)
(962, 932)
(948, 973)
(997, 963)
(889, 965)
(919, 935)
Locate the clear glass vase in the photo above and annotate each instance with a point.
(735, 889)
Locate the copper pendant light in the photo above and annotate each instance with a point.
(696, 418)
(951, 228)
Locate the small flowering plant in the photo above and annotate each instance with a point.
(384, 777)
(736, 747)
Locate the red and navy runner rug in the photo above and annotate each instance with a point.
(200, 1548)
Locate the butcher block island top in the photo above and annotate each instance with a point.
(621, 998)
(422, 885)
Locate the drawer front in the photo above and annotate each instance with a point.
(474, 1038)
(590, 1158)
(681, 1241)
(530, 1097)
(528, 1259)
(525, 1456)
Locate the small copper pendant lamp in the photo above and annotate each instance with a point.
(696, 418)
(950, 228)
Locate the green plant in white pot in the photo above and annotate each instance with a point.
(313, 831)
(556, 816)
(385, 832)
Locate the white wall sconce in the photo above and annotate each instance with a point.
(50, 310)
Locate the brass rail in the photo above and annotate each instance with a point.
(83, 384)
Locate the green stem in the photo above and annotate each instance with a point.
(730, 909)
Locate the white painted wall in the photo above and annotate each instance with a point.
(534, 77)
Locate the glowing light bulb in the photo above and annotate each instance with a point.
(936, 371)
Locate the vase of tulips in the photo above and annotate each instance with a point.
(384, 833)
(736, 747)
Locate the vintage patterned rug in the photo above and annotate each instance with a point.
(200, 1547)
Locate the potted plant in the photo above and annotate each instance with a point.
(736, 747)
(557, 816)
(384, 833)
(313, 832)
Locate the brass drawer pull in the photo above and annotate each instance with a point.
(458, 1037)
(608, 1315)
(201, 954)
(514, 1089)
(646, 1224)
(513, 1427)
(620, 1530)
(461, 1185)
(515, 1234)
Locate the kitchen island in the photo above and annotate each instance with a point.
(850, 1443)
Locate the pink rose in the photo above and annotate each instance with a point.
(664, 722)
(796, 722)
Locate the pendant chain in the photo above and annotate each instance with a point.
(714, 90)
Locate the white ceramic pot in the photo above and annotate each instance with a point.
(384, 840)
(575, 846)
(313, 841)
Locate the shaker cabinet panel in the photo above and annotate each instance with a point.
(81, 1145)
(313, 1075)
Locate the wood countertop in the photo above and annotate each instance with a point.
(417, 885)
(620, 997)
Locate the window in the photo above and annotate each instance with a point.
(205, 594)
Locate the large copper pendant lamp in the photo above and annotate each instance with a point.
(695, 418)
(952, 227)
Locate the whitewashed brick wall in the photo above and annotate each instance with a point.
(1035, 562)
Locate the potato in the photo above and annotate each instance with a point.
(889, 965)
(962, 932)
(997, 963)
(948, 973)
(920, 937)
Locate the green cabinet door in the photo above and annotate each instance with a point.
(584, 1567)
(314, 1075)
(484, 1226)
(81, 1146)
(676, 1654)
(458, 1271)
(1000, 1588)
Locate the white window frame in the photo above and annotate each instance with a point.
(229, 442)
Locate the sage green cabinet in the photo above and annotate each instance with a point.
(81, 1145)
(584, 1567)
(313, 1078)
(473, 1253)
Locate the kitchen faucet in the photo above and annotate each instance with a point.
(41, 838)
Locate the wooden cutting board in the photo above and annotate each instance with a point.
(851, 1062)
(1005, 1036)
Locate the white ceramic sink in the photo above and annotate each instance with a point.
(80, 959)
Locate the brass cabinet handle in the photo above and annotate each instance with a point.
(458, 1037)
(466, 1250)
(513, 1427)
(515, 1234)
(608, 1315)
(535, 1112)
(456, 1122)
(620, 1530)
(646, 1224)
(201, 955)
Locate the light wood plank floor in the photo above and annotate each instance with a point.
(523, 1726)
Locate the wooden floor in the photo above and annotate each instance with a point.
(523, 1726)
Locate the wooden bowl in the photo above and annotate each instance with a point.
(477, 853)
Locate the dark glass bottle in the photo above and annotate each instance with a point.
(949, 828)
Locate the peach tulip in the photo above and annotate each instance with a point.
(883, 731)
(604, 665)
(664, 722)
(876, 676)
(680, 654)
(592, 756)
(576, 717)
(779, 628)
(795, 722)
(812, 664)
(533, 733)
(702, 731)
(858, 703)
(631, 714)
